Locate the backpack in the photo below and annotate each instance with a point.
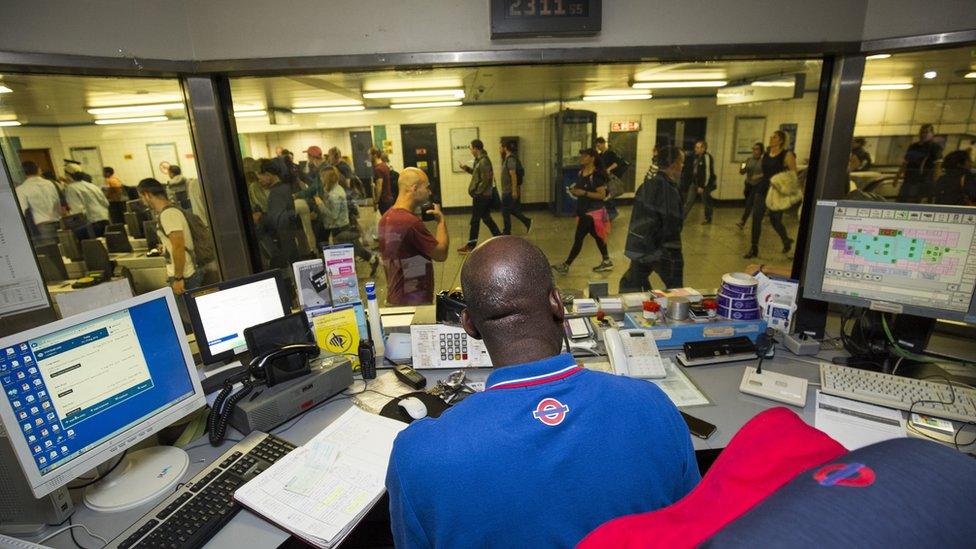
(394, 183)
(519, 171)
(203, 244)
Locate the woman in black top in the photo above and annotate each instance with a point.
(776, 159)
(957, 186)
(590, 192)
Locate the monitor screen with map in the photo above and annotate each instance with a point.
(900, 258)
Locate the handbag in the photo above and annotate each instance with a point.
(615, 186)
(496, 201)
(784, 191)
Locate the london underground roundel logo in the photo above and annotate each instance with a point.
(856, 475)
(550, 412)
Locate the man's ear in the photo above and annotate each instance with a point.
(556, 305)
(468, 325)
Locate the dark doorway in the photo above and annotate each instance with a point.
(625, 145)
(683, 132)
(41, 157)
(361, 142)
(420, 150)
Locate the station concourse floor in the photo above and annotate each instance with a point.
(709, 250)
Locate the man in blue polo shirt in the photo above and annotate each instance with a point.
(549, 451)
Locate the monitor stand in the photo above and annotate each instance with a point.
(142, 477)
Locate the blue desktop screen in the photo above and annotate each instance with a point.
(72, 389)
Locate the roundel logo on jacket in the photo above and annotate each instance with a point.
(855, 475)
(550, 412)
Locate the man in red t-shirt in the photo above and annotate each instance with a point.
(406, 245)
(382, 182)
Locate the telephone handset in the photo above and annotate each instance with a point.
(634, 353)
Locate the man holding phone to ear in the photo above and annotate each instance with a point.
(407, 247)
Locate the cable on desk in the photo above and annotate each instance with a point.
(70, 528)
(100, 477)
(952, 391)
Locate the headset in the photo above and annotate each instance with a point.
(282, 349)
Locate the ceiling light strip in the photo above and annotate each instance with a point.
(155, 107)
(427, 105)
(456, 93)
(673, 84)
(617, 97)
(330, 108)
(9, 123)
(136, 120)
(883, 87)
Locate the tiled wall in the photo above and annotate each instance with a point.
(952, 108)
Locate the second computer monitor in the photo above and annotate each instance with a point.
(898, 258)
(221, 312)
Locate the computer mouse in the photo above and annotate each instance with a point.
(414, 407)
(154, 253)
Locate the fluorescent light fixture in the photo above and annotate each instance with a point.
(788, 83)
(456, 93)
(878, 56)
(427, 105)
(107, 121)
(678, 84)
(332, 108)
(5, 89)
(882, 87)
(617, 97)
(9, 123)
(970, 75)
(250, 114)
(929, 75)
(154, 107)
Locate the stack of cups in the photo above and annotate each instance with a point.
(737, 297)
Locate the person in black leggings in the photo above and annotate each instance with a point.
(776, 159)
(590, 191)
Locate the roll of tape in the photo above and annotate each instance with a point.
(742, 283)
(749, 302)
(678, 308)
(737, 314)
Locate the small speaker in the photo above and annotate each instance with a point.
(20, 512)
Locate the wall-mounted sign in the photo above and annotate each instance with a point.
(461, 147)
(630, 126)
(770, 89)
(539, 18)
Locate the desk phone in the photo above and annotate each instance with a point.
(634, 353)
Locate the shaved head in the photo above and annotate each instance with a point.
(414, 187)
(512, 302)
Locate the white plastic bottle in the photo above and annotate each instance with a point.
(375, 323)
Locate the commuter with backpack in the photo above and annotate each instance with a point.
(512, 179)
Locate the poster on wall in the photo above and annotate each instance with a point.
(160, 153)
(460, 147)
(749, 130)
(91, 162)
(790, 131)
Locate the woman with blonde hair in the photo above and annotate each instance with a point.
(334, 211)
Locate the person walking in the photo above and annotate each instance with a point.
(654, 236)
(85, 198)
(481, 189)
(512, 174)
(615, 167)
(702, 181)
(41, 203)
(776, 159)
(752, 169)
(917, 171)
(591, 215)
(383, 196)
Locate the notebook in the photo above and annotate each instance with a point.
(320, 491)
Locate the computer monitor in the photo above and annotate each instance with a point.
(51, 262)
(69, 244)
(80, 391)
(133, 224)
(117, 239)
(96, 256)
(221, 312)
(897, 258)
(149, 231)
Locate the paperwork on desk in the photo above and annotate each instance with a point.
(386, 386)
(857, 424)
(681, 390)
(320, 491)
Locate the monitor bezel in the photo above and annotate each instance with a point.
(194, 312)
(137, 431)
(817, 259)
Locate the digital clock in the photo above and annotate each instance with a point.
(539, 18)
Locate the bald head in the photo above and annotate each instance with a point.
(414, 187)
(512, 303)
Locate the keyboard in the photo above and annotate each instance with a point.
(202, 506)
(899, 392)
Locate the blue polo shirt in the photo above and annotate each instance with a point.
(548, 452)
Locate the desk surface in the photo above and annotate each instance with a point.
(729, 410)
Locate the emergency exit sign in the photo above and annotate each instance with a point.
(630, 126)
